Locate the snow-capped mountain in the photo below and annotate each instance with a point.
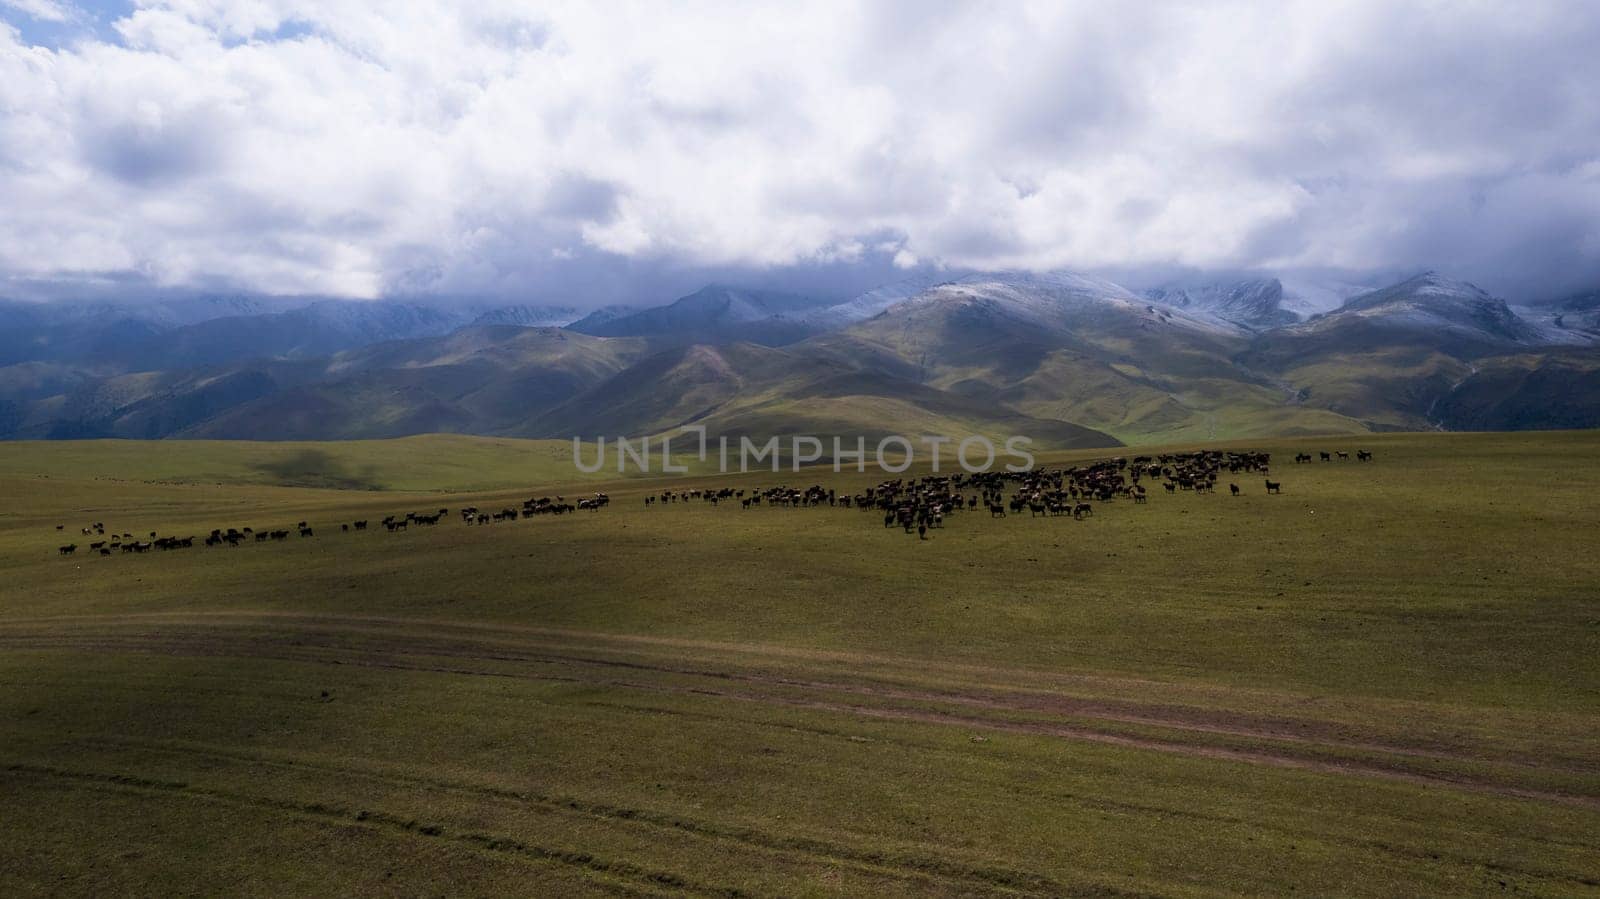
(1060, 302)
(529, 316)
(1045, 298)
(1255, 304)
(1573, 320)
(1307, 295)
(1432, 304)
(872, 302)
(1056, 347)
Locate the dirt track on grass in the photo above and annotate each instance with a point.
(857, 685)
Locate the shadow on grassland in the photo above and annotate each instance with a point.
(315, 468)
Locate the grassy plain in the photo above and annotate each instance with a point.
(1385, 681)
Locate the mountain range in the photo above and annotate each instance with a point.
(1065, 358)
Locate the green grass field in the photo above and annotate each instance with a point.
(430, 463)
(1384, 682)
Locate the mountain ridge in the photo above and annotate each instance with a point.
(1072, 356)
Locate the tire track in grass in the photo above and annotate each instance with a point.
(1120, 711)
(1149, 715)
(403, 636)
(916, 867)
(901, 865)
(1113, 805)
(864, 667)
(300, 647)
(660, 881)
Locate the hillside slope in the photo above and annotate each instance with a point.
(715, 314)
(1067, 358)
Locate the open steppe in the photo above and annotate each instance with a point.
(1385, 681)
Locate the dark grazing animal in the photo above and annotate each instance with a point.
(1363, 456)
(1274, 487)
(1234, 489)
(69, 549)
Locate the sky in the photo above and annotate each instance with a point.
(585, 153)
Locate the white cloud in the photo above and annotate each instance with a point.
(42, 10)
(339, 147)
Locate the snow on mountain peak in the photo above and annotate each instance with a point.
(1254, 304)
(1432, 302)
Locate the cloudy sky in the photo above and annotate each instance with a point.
(590, 152)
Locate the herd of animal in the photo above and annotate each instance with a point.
(1361, 456)
(916, 504)
(471, 515)
(919, 505)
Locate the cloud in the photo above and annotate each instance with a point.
(41, 10)
(337, 147)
